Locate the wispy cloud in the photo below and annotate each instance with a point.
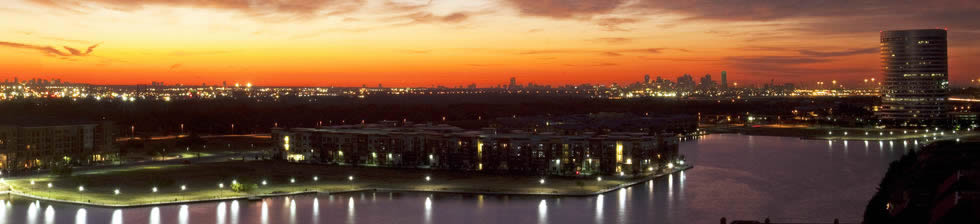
(615, 23)
(612, 52)
(294, 8)
(52, 51)
(429, 18)
(612, 40)
(840, 53)
(564, 8)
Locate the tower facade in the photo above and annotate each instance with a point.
(916, 86)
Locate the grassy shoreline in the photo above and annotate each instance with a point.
(852, 134)
(201, 182)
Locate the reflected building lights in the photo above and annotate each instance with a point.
(598, 208)
(81, 216)
(292, 211)
(183, 216)
(350, 210)
(427, 215)
(117, 217)
(48, 215)
(316, 210)
(220, 213)
(542, 212)
(234, 212)
(32, 211)
(264, 215)
(155, 215)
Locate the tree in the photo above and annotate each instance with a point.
(243, 187)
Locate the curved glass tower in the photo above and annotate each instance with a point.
(916, 86)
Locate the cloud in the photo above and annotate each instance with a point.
(615, 23)
(612, 40)
(614, 52)
(603, 64)
(302, 8)
(182, 53)
(840, 53)
(429, 18)
(783, 60)
(564, 8)
(51, 51)
(406, 6)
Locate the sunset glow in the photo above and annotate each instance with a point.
(458, 42)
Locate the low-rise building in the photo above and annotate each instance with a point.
(33, 143)
(446, 147)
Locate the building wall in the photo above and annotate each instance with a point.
(506, 153)
(916, 87)
(36, 146)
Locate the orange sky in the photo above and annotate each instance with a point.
(442, 42)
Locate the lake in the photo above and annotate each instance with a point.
(735, 176)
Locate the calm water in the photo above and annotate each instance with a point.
(736, 176)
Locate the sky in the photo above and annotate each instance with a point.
(422, 43)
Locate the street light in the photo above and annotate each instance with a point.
(221, 185)
(541, 181)
(263, 182)
(81, 188)
(315, 178)
(116, 191)
(292, 180)
(154, 189)
(351, 180)
(427, 178)
(183, 187)
(598, 179)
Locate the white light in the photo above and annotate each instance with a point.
(32, 182)
(670, 165)
(81, 188)
(263, 182)
(350, 178)
(292, 180)
(234, 182)
(183, 187)
(541, 181)
(680, 162)
(315, 178)
(116, 191)
(154, 189)
(598, 179)
(49, 185)
(221, 185)
(428, 178)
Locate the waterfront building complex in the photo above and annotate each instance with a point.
(517, 151)
(32, 143)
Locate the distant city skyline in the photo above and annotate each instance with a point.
(421, 43)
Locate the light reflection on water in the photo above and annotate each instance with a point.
(736, 177)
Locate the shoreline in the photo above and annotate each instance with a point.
(821, 133)
(271, 195)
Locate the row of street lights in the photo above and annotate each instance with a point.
(350, 179)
